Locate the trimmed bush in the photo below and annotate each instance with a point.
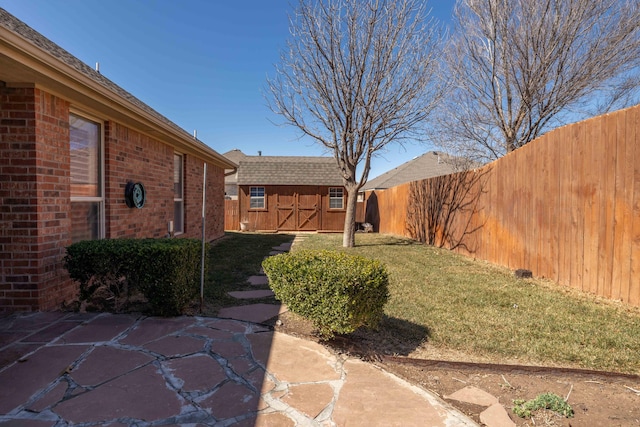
(336, 291)
(165, 271)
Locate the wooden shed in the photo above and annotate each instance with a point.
(289, 193)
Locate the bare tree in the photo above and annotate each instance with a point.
(521, 67)
(357, 76)
(441, 208)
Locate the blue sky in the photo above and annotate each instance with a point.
(201, 63)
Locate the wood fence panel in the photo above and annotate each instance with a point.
(562, 222)
(566, 166)
(592, 218)
(496, 215)
(398, 213)
(529, 229)
(507, 173)
(607, 197)
(623, 207)
(536, 220)
(553, 213)
(383, 225)
(540, 206)
(632, 135)
(634, 279)
(513, 179)
(479, 214)
(571, 215)
(577, 207)
(566, 206)
(488, 252)
(231, 216)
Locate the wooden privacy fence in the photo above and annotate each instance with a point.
(231, 216)
(565, 206)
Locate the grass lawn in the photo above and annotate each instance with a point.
(480, 309)
(232, 260)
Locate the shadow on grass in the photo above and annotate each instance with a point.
(389, 242)
(394, 336)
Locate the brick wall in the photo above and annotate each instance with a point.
(35, 207)
(193, 172)
(34, 199)
(53, 198)
(132, 156)
(18, 209)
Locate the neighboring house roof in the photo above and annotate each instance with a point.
(425, 166)
(288, 170)
(27, 57)
(235, 156)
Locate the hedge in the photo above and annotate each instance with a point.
(336, 291)
(165, 271)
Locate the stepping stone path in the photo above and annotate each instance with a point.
(102, 369)
(252, 294)
(92, 369)
(257, 313)
(494, 416)
(258, 280)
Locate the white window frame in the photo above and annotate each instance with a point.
(334, 197)
(253, 198)
(180, 200)
(101, 167)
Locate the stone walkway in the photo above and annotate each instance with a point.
(62, 369)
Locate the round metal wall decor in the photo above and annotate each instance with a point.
(134, 194)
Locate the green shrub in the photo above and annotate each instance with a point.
(165, 271)
(549, 401)
(338, 292)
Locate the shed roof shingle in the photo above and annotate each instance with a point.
(288, 170)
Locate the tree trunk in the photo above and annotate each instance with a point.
(349, 234)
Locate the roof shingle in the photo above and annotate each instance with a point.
(288, 170)
(428, 165)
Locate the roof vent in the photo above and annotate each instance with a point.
(195, 134)
(259, 153)
(97, 66)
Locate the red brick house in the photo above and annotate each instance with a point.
(72, 143)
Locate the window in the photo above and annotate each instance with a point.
(256, 198)
(336, 198)
(178, 194)
(85, 146)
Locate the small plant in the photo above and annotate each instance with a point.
(338, 292)
(550, 401)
